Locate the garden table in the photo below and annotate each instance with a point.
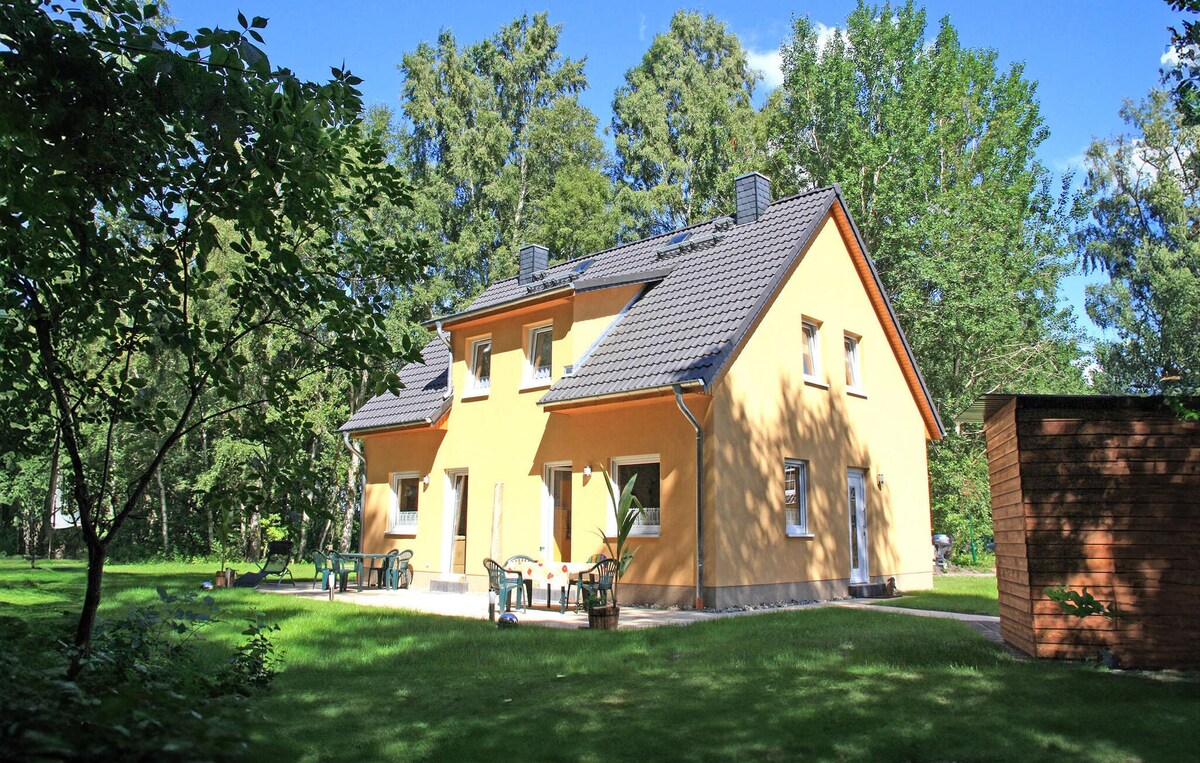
(551, 574)
(370, 568)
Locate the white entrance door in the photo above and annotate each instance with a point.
(454, 551)
(856, 494)
(556, 513)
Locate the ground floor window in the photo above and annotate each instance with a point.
(406, 490)
(795, 496)
(646, 489)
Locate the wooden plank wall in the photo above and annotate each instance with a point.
(1008, 521)
(1105, 494)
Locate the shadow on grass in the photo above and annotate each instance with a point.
(371, 683)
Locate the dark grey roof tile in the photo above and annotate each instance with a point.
(421, 397)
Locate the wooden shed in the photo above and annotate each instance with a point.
(1097, 492)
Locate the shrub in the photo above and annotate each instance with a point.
(149, 691)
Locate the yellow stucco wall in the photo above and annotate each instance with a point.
(761, 411)
(505, 437)
(765, 411)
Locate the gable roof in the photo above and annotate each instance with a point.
(421, 400)
(686, 328)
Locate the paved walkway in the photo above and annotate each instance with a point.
(475, 606)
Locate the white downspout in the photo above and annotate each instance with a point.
(699, 494)
(445, 337)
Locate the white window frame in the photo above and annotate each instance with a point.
(851, 343)
(814, 350)
(647, 527)
(475, 385)
(799, 528)
(397, 524)
(535, 377)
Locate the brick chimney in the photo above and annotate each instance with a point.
(533, 259)
(752, 193)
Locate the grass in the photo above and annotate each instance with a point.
(826, 684)
(970, 594)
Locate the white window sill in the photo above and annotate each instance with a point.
(813, 381)
(857, 392)
(645, 532)
(530, 386)
(400, 532)
(794, 533)
(479, 394)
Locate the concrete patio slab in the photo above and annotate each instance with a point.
(475, 606)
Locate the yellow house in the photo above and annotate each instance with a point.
(749, 370)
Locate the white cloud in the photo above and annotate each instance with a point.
(642, 28)
(1170, 59)
(770, 64)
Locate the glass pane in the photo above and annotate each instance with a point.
(853, 528)
(409, 490)
(810, 350)
(540, 353)
(482, 364)
(645, 489)
(851, 362)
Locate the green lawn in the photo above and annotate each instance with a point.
(971, 594)
(827, 684)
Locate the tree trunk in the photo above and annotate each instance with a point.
(51, 499)
(351, 504)
(162, 502)
(91, 602)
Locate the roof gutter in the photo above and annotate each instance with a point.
(362, 486)
(642, 392)
(699, 494)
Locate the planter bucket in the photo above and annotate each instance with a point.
(604, 618)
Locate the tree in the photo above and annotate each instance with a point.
(239, 183)
(500, 148)
(934, 149)
(1185, 40)
(683, 124)
(1143, 232)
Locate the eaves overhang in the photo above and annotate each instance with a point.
(500, 307)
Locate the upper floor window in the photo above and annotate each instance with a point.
(481, 365)
(541, 341)
(812, 351)
(853, 371)
(795, 496)
(406, 490)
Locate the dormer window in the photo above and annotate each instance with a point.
(481, 366)
(539, 358)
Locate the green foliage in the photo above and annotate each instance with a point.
(626, 510)
(503, 154)
(1185, 40)
(1142, 233)
(683, 125)
(185, 231)
(1082, 604)
(152, 690)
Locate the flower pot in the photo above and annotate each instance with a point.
(604, 618)
(224, 579)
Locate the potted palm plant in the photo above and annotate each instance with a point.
(627, 508)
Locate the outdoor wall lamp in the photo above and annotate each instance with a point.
(587, 470)
(879, 479)
(425, 480)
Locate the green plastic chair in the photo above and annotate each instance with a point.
(597, 581)
(344, 567)
(522, 559)
(398, 572)
(323, 569)
(503, 583)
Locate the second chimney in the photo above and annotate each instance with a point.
(533, 258)
(752, 194)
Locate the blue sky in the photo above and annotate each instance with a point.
(1086, 57)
